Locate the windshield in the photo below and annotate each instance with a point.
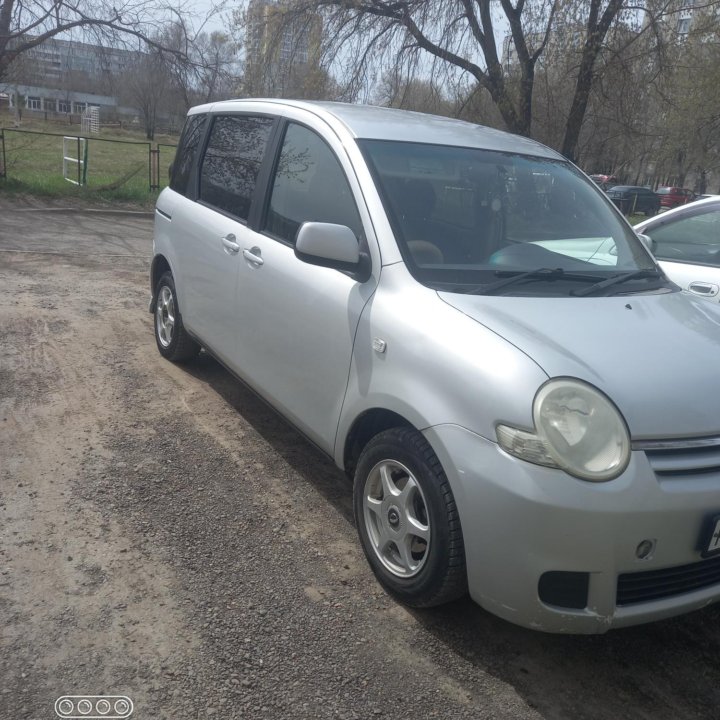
(465, 217)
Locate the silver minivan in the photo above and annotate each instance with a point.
(528, 407)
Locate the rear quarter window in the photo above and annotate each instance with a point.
(187, 150)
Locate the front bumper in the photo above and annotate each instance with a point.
(521, 520)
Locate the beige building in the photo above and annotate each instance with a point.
(283, 47)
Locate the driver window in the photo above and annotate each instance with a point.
(691, 239)
(309, 185)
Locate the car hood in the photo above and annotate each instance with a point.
(657, 356)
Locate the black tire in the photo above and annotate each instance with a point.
(441, 575)
(173, 342)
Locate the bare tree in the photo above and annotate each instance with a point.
(617, 123)
(691, 106)
(146, 85)
(453, 36)
(399, 90)
(216, 61)
(204, 66)
(458, 43)
(600, 17)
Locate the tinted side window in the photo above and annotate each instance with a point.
(189, 142)
(309, 185)
(689, 239)
(232, 161)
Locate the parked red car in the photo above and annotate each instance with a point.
(671, 197)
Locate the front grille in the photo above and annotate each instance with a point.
(649, 585)
(680, 459)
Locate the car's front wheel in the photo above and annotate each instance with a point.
(172, 339)
(408, 521)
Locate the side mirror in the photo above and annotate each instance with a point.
(647, 241)
(332, 246)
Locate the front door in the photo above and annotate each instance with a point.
(299, 320)
(688, 247)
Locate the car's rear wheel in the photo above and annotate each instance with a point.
(408, 521)
(172, 339)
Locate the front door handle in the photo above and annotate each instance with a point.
(229, 244)
(703, 288)
(253, 256)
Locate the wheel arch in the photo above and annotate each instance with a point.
(365, 427)
(159, 266)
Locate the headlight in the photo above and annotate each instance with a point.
(577, 428)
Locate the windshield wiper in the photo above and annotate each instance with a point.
(646, 273)
(536, 274)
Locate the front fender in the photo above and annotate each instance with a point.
(423, 359)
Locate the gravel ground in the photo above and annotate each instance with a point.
(166, 536)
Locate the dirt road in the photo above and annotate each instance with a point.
(165, 536)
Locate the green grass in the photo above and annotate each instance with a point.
(116, 171)
(57, 187)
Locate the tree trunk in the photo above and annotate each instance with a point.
(596, 32)
(579, 105)
(702, 183)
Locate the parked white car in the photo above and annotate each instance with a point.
(463, 321)
(686, 241)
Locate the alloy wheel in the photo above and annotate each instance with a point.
(396, 518)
